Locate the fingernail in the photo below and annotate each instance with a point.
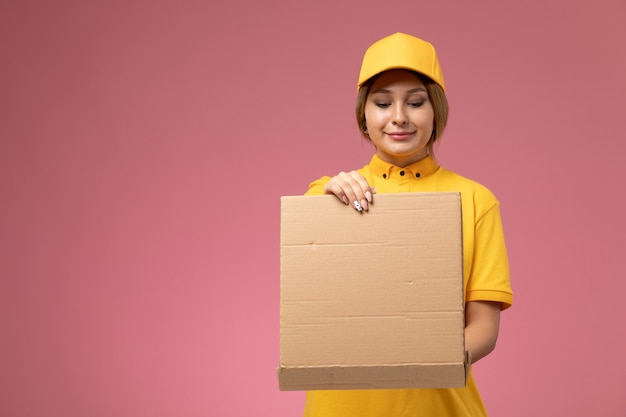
(345, 200)
(364, 204)
(368, 195)
(357, 206)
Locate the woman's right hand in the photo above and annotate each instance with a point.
(352, 189)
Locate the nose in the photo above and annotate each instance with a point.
(399, 115)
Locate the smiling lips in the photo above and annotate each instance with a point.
(400, 135)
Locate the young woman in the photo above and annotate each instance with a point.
(402, 110)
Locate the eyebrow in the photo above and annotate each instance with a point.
(411, 91)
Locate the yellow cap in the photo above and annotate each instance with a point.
(401, 51)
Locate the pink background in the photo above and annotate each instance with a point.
(144, 147)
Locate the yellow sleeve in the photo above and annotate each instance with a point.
(490, 276)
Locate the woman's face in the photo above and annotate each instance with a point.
(399, 117)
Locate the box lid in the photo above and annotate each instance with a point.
(373, 299)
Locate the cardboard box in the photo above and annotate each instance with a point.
(372, 300)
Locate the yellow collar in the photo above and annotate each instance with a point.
(420, 169)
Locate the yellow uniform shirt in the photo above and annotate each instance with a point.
(486, 278)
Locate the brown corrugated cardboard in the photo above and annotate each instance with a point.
(372, 299)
